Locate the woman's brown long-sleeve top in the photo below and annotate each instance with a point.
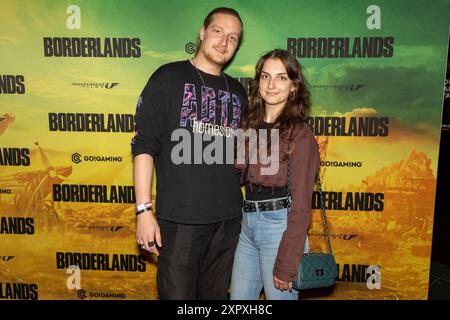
(305, 161)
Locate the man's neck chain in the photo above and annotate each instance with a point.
(203, 81)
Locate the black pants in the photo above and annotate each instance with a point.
(195, 261)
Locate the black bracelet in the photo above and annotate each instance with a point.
(149, 208)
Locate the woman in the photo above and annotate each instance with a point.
(274, 237)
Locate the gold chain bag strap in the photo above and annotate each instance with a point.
(316, 269)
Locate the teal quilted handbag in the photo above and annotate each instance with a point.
(316, 269)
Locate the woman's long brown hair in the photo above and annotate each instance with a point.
(297, 106)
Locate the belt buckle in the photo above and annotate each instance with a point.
(266, 206)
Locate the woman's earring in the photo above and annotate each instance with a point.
(292, 95)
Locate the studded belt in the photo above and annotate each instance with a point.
(266, 205)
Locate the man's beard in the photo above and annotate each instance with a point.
(216, 58)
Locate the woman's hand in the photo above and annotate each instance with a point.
(282, 285)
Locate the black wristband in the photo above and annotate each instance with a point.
(149, 208)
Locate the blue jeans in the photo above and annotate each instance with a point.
(254, 259)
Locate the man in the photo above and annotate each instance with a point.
(198, 204)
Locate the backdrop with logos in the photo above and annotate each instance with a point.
(70, 76)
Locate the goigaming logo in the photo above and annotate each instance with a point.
(190, 47)
(82, 294)
(76, 158)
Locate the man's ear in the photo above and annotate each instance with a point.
(202, 33)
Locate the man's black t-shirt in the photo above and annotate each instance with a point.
(187, 127)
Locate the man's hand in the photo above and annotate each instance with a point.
(147, 230)
(282, 285)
